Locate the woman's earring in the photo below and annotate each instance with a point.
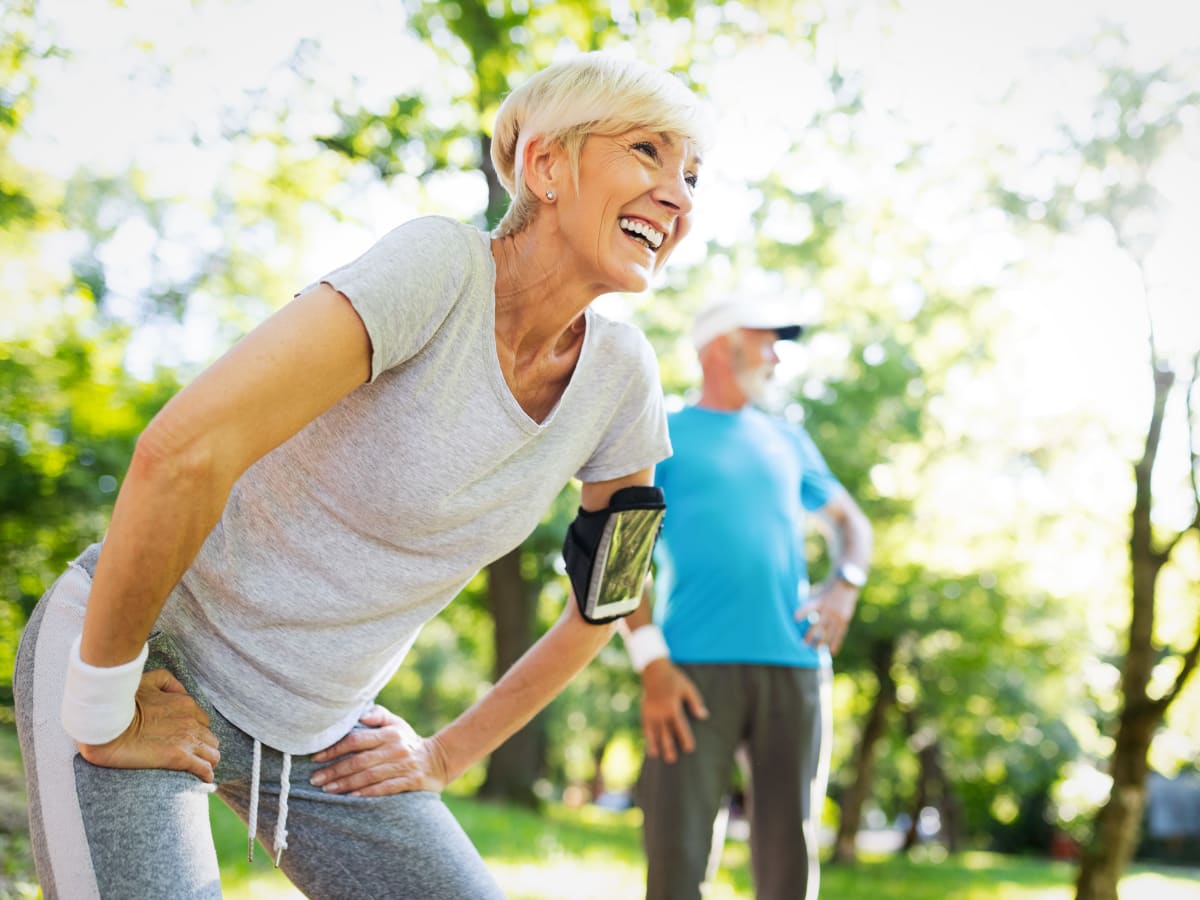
(550, 195)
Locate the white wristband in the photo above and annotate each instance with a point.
(645, 645)
(98, 701)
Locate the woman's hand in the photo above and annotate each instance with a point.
(169, 731)
(390, 758)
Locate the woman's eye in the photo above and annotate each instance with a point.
(691, 180)
(646, 147)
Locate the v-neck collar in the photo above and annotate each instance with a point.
(503, 392)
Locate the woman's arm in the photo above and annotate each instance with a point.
(272, 383)
(391, 758)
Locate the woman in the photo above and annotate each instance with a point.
(292, 518)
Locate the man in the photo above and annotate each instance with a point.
(740, 656)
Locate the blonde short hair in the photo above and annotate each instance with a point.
(593, 93)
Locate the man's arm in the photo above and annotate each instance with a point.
(833, 602)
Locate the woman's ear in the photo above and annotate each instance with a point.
(543, 167)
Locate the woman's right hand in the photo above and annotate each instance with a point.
(169, 731)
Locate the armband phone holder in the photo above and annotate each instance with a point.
(607, 552)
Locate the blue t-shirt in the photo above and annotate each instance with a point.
(731, 556)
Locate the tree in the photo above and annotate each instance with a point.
(1109, 163)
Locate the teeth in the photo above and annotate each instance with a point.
(652, 235)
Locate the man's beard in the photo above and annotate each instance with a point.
(754, 381)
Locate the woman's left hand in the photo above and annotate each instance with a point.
(388, 757)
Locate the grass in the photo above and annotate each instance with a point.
(595, 854)
(991, 876)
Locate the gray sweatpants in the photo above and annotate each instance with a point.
(144, 834)
(781, 717)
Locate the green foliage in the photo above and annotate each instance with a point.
(402, 140)
(21, 43)
(69, 416)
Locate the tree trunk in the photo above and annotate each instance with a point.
(918, 742)
(933, 788)
(845, 848)
(1118, 824)
(940, 795)
(597, 787)
(953, 820)
(515, 765)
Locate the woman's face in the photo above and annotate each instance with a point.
(633, 206)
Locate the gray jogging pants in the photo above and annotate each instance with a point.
(144, 834)
(781, 717)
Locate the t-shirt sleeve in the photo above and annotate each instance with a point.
(818, 484)
(405, 285)
(636, 437)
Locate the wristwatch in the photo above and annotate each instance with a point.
(851, 574)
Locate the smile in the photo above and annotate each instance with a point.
(645, 232)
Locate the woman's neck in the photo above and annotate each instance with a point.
(539, 311)
(540, 324)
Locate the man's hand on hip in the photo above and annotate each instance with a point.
(828, 613)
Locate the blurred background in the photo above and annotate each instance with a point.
(990, 214)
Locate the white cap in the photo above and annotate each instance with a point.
(731, 313)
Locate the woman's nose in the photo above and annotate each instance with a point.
(675, 192)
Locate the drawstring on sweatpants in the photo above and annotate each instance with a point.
(285, 774)
(255, 768)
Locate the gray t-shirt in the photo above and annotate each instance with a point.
(335, 548)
